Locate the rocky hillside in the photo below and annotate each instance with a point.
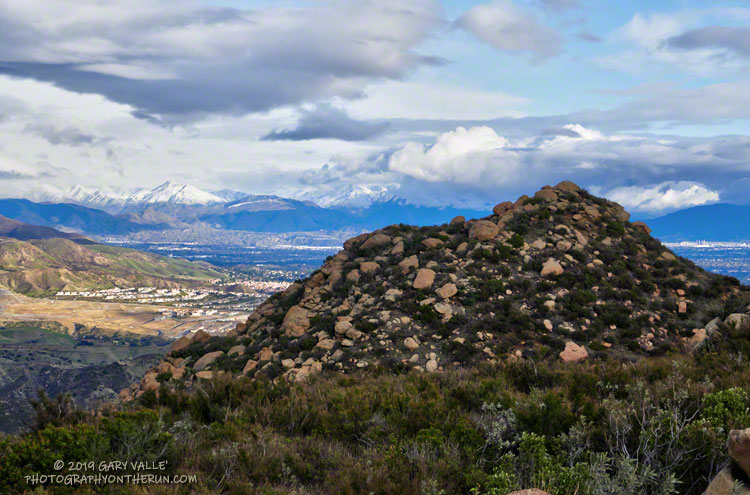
(44, 266)
(560, 275)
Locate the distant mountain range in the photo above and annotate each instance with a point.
(181, 206)
(171, 205)
(717, 222)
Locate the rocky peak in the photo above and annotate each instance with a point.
(560, 275)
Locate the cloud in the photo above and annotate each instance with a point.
(507, 28)
(61, 134)
(730, 38)
(328, 122)
(175, 59)
(476, 166)
(664, 196)
(560, 4)
(681, 41)
(15, 175)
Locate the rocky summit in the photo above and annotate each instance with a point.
(562, 275)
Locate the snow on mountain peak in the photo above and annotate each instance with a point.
(172, 192)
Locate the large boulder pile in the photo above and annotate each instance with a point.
(561, 275)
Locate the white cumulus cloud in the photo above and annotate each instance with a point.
(664, 196)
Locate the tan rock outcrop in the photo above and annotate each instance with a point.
(446, 291)
(296, 322)
(424, 280)
(483, 230)
(551, 267)
(573, 353)
(206, 360)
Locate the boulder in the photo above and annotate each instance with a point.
(249, 366)
(180, 344)
(739, 450)
(398, 249)
(567, 186)
(411, 344)
(431, 366)
(573, 353)
(341, 327)
(265, 354)
(682, 307)
(296, 322)
(546, 194)
(376, 240)
(539, 244)
(446, 291)
(483, 230)
(551, 267)
(459, 220)
(353, 276)
(408, 263)
(368, 267)
(326, 344)
(564, 245)
(502, 208)
(425, 278)
(432, 243)
(238, 350)
(204, 375)
(620, 213)
(149, 382)
(739, 321)
(206, 360)
(642, 226)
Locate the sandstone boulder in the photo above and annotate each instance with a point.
(739, 450)
(459, 220)
(546, 194)
(265, 354)
(376, 240)
(368, 267)
(411, 344)
(296, 322)
(432, 243)
(551, 267)
(573, 353)
(204, 375)
(502, 208)
(642, 226)
(483, 230)
(408, 263)
(236, 350)
(424, 280)
(446, 291)
(249, 366)
(206, 360)
(739, 321)
(567, 186)
(180, 344)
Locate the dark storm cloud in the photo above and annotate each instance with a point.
(734, 39)
(169, 60)
(328, 122)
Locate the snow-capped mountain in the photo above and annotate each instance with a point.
(346, 196)
(109, 199)
(174, 193)
(230, 194)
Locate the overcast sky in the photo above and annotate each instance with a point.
(460, 102)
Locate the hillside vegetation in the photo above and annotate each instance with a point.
(41, 267)
(552, 345)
